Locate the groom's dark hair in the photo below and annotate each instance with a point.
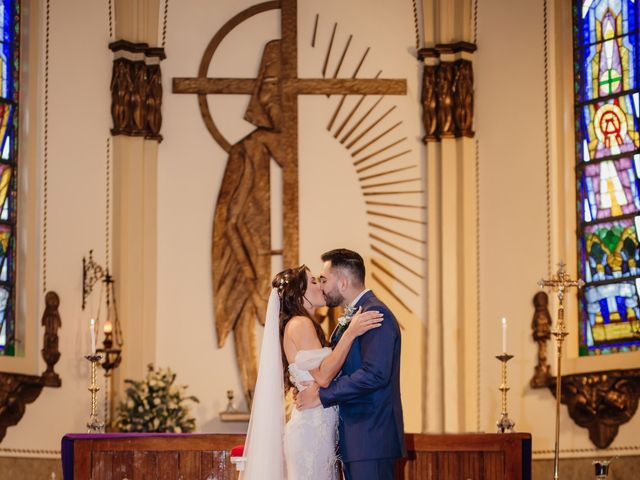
(347, 260)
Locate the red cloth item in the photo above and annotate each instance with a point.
(237, 451)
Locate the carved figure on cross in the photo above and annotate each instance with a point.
(560, 282)
(241, 247)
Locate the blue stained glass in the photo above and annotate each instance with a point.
(609, 188)
(5, 185)
(6, 114)
(608, 33)
(611, 310)
(9, 76)
(607, 100)
(589, 16)
(611, 251)
(4, 324)
(6, 78)
(6, 149)
(608, 128)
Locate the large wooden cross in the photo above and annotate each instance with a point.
(291, 87)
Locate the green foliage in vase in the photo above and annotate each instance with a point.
(155, 404)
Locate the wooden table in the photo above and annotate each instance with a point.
(473, 456)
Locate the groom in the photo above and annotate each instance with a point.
(368, 388)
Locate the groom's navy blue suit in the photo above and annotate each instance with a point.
(368, 393)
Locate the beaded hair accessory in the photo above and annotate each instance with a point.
(283, 281)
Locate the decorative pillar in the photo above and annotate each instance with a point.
(136, 101)
(452, 331)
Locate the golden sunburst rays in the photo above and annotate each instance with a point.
(371, 129)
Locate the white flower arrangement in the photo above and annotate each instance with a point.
(155, 404)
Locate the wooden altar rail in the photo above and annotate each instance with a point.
(206, 456)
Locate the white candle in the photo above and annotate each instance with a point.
(93, 336)
(504, 335)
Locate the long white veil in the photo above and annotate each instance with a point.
(264, 445)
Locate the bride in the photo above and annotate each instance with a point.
(295, 350)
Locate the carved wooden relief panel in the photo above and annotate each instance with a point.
(447, 91)
(136, 90)
(241, 246)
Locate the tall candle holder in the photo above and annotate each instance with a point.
(94, 424)
(504, 423)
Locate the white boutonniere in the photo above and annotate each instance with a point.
(344, 320)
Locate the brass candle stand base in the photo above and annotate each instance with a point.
(94, 424)
(504, 423)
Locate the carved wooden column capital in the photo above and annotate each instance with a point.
(136, 89)
(447, 91)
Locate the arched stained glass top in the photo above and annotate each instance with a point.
(607, 114)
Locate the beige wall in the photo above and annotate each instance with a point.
(513, 251)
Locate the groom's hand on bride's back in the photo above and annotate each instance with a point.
(309, 397)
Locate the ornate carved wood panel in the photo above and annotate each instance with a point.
(600, 401)
(447, 92)
(136, 90)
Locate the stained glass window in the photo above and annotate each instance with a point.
(9, 88)
(607, 113)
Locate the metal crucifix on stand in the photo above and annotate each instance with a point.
(559, 283)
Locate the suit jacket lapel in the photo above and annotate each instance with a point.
(333, 339)
(336, 334)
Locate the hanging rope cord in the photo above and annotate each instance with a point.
(164, 23)
(416, 24)
(110, 20)
(107, 226)
(547, 148)
(477, 220)
(45, 155)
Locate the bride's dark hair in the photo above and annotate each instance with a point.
(292, 286)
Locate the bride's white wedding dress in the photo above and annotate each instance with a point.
(308, 440)
(310, 435)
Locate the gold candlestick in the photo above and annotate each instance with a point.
(504, 423)
(94, 424)
(560, 282)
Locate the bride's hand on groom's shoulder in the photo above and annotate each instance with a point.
(362, 322)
